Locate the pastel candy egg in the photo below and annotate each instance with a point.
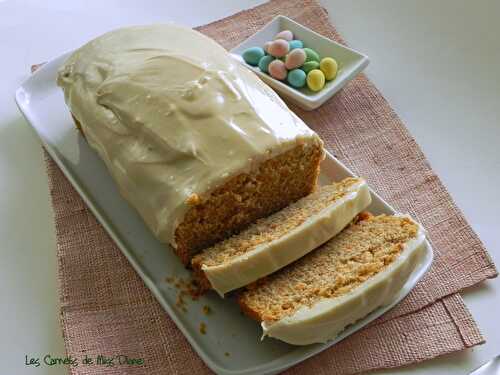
(315, 80)
(294, 44)
(312, 55)
(277, 69)
(264, 63)
(296, 78)
(278, 48)
(266, 46)
(295, 58)
(310, 65)
(329, 68)
(253, 55)
(285, 35)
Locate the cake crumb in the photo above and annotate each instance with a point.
(193, 200)
(180, 302)
(300, 141)
(227, 354)
(186, 288)
(203, 328)
(206, 310)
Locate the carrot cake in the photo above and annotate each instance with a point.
(362, 268)
(277, 240)
(195, 142)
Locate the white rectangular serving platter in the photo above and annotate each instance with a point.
(350, 62)
(42, 104)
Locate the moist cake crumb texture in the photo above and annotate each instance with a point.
(247, 197)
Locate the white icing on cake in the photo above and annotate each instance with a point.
(171, 114)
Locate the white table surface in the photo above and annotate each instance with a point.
(437, 63)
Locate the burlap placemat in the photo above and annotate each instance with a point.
(105, 307)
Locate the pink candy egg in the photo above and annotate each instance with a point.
(278, 48)
(295, 59)
(285, 34)
(266, 46)
(277, 69)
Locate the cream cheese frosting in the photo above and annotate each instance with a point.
(325, 319)
(172, 114)
(272, 256)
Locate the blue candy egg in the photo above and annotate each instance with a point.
(297, 78)
(264, 63)
(295, 44)
(253, 55)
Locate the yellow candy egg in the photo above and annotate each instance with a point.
(329, 68)
(315, 80)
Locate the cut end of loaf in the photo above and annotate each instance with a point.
(247, 197)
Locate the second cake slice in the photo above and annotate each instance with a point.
(273, 242)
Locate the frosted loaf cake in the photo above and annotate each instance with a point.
(196, 143)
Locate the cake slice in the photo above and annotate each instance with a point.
(277, 240)
(362, 268)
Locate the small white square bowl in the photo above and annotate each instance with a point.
(350, 62)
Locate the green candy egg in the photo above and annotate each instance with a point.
(294, 44)
(253, 55)
(264, 63)
(311, 55)
(296, 78)
(310, 65)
